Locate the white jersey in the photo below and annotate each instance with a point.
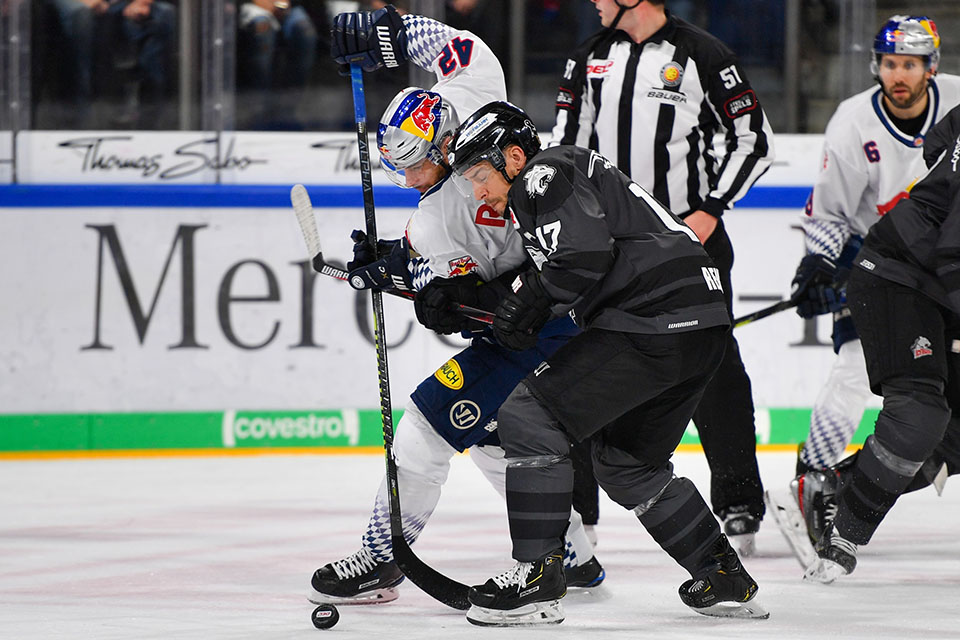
(868, 165)
(451, 234)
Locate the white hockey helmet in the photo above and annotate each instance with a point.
(413, 128)
(909, 36)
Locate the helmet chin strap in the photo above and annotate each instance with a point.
(623, 10)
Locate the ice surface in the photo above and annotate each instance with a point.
(223, 547)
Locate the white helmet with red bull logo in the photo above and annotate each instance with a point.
(907, 35)
(413, 129)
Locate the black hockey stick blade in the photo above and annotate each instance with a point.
(441, 588)
(783, 305)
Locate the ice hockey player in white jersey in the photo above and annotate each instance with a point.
(455, 249)
(871, 157)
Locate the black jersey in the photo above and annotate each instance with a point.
(917, 244)
(655, 109)
(608, 252)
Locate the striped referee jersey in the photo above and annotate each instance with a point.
(674, 112)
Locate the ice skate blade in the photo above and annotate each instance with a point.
(745, 544)
(790, 521)
(751, 609)
(536, 613)
(378, 596)
(824, 571)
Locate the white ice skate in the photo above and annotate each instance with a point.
(786, 513)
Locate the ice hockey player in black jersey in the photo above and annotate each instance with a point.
(904, 294)
(651, 308)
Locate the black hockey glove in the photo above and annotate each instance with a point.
(372, 38)
(363, 253)
(522, 313)
(815, 288)
(387, 270)
(436, 304)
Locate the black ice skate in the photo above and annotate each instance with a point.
(837, 557)
(741, 527)
(527, 594)
(357, 579)
(726, 592)
(803, 517)
(587, 575)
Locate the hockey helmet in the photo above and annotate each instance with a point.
(486, 133)
(413, 128)
(910, 36)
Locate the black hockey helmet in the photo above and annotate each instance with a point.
(486, 133)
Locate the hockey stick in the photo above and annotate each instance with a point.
(783, 305)
(303, 208)
(435, 584)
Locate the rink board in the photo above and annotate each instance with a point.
(139, 328)
(152, 309)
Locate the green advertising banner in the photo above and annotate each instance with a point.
(341, 430)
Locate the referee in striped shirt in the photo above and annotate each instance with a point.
(668, 104)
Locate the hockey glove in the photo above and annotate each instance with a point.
(436, 304)
(387, 272)
(363, 253)
(372, 38)
(815, 288)
(522, 313)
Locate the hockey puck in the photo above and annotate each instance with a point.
(325, 616)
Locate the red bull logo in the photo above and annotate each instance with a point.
(462, 266)
(421, 119)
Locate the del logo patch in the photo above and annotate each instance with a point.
(921, 347)
(599, 68)
(450, 375)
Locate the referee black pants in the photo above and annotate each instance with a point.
(724, 417)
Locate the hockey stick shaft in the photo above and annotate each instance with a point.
(783, 305)
(303, 209)
(435, 584)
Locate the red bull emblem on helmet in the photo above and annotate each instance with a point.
(422, 117)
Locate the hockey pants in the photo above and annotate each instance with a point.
(423, 464)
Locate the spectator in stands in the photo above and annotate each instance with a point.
(277, 47)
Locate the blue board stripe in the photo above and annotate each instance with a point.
(56, 196)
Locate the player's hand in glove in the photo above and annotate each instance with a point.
(522, 313)
(372, 38)
(815, 288)
(385, 268)
(436, 304)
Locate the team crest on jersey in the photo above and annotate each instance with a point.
(671, 74)
(921, 347)
(462, 266)
(421, 118)
(450, 375)
(538, 178)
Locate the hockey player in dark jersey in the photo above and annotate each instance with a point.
(904, 295)
(654, 322)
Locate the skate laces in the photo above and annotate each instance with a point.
(515, 575)
(842, 544)
(355, 565)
